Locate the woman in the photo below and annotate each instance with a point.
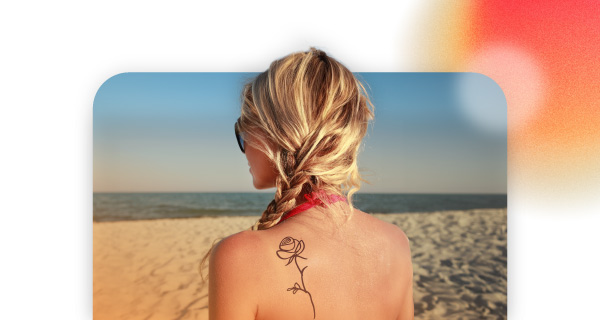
(312, 255)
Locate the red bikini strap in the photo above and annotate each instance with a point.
(312, 200)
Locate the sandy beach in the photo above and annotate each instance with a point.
(149, 269)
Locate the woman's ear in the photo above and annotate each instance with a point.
(263, 169)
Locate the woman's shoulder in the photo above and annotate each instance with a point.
(233, 293)
(238, 247)
(394, 243)
(390, 240)
(397, 235)
(383, 229)
(243, 253)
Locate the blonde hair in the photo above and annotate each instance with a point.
(308, 113)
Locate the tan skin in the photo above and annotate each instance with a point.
(360, 269)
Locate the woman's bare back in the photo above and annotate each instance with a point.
(312, 267)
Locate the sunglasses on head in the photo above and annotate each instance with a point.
(238, 136)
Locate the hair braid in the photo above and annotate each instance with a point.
(308, 114)
(289, 185)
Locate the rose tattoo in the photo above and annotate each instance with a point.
(290, 250)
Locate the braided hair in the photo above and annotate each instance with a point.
(308, 114)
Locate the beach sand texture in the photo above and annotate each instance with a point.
(149, 269)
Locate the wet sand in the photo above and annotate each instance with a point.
(149, 269)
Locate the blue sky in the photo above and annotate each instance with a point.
(173, 132)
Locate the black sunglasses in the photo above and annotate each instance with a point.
(238, 136)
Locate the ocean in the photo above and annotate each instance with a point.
(144, 206)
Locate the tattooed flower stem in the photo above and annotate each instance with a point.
(290, 250)
(304, 286)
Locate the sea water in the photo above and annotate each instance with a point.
(142, 206)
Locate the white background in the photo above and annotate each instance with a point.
(55, 55)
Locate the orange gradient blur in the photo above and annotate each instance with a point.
(544, 55)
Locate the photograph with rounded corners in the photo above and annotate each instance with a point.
(183, 166)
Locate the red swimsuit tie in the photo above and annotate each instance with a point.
(312, 200)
